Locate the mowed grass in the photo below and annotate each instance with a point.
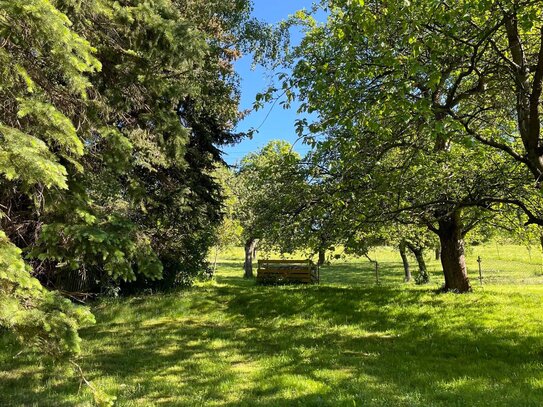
(345, 342)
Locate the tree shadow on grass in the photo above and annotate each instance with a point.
(26, 382)
(386, 354)
(240, 344)
(303, 332)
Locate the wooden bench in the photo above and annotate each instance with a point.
(287, 271)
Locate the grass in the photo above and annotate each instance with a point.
(345, 342)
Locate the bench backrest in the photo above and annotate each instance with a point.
(265, 264)
(299, 271)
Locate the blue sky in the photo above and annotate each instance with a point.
(280, 122)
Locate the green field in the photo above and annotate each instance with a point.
(346, 342)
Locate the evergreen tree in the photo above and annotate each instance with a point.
(112, 118)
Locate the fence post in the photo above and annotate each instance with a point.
(479, 260)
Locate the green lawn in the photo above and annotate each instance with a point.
(344, 342)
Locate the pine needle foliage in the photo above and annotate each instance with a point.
(112, 114)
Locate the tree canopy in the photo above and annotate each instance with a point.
(422, 110)
(113, 116)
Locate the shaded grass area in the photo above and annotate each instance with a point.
(345, 342)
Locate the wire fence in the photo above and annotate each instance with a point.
(487, 265)
(508, 271)
(499, 264)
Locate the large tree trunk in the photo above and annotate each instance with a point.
(322, 257)
(250, 247)
(406, 269)
(452, 254)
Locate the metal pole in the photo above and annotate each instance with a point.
(479, 260)
(377, 272)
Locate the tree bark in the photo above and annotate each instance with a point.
(452, 254)
(438, 252)
(250, 247)
(322, 257)
(528, 97)
(405, 261)
(418, 251)
(419, 255)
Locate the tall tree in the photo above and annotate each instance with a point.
(112, 119)
(44, 78)
(270, 185)
(377, 84)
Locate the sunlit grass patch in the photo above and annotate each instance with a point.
(347, 341)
